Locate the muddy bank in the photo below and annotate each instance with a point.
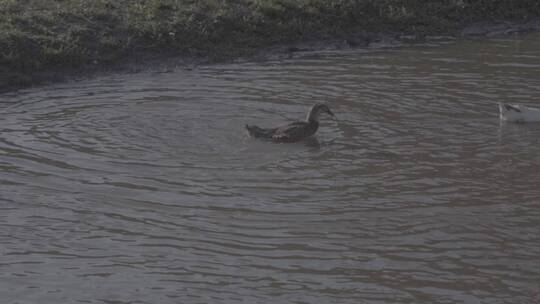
(394, 38)
(166, 62)
(40, 43)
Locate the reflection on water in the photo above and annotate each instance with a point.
(145, 189)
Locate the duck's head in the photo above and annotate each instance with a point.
(317, 110)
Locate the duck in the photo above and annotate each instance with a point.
(294, 131)
(518, 113)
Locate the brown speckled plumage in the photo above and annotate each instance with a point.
(294, 131)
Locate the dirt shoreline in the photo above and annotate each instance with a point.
(12, 80)
(386, 39)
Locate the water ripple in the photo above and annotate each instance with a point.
(145, 188)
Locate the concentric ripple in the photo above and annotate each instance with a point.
(145, 188)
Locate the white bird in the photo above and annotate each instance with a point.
(518, 113)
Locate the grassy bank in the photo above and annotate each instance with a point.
(37, 36)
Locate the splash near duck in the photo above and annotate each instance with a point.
(518, 113)
(294, 131)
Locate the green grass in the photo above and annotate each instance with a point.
(40, 35)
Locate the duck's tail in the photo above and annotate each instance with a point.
(258, 132)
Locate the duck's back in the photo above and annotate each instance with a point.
(295, 131)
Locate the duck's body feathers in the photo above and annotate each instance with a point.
(287, 133)
(294, 131)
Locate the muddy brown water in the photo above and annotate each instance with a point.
(145, 189)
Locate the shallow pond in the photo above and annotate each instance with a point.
(145, 188)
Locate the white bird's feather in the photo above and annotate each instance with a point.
(518, 113)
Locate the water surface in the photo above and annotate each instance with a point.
(145, 189)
